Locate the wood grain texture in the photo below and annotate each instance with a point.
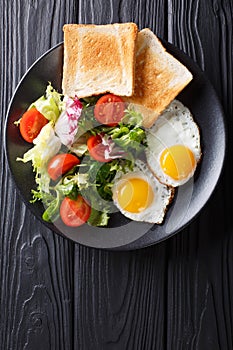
(119, 304)
(176, 295)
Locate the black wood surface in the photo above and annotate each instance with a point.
(175, 295)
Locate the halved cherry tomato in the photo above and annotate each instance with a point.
(60, 164)
(97, 149)
(31, 124)
(74, 212)
(109, 110)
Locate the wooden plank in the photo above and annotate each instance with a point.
(145, 13)
(199, 265)
(35, 265)
(120, 297)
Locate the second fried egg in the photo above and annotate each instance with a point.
(174, 145)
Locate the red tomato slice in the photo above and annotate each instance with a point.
(109, 110)
(97, 149)
(75, 212)
(60, 164)
(31, 124)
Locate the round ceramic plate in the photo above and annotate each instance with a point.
(123, 234)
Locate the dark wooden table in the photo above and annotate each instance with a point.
(175, 295)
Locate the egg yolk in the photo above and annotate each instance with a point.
(134, 195)
(178, 162)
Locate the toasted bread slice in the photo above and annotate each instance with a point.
(99, 59)
(159, 77)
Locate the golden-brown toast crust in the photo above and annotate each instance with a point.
(159, 77)
(99, 59)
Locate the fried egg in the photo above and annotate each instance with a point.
(174, 145)
(140, 196)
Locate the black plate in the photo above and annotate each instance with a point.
(123, 234)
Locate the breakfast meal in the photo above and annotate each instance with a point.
(116, 138)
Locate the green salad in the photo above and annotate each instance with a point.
(78, 148)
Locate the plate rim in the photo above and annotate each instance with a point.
(134, 245)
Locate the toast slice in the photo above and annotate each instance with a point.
(99, 59)
(159, 77)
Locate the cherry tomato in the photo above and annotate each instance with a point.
(97, 149)
(60, 164)
(31, 124)
(109, 110)
(74, 212)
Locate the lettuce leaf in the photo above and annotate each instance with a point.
(98, 218)
(50, 105)
(46, 145)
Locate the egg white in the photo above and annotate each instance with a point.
(175, 126)
(162, 195)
